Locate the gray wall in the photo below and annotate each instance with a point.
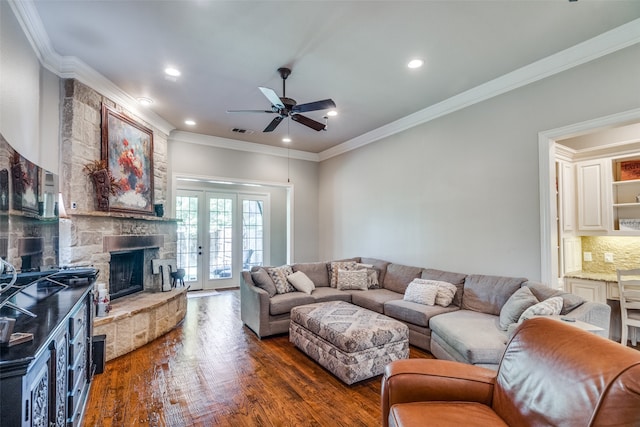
(461, 192)
(209, 161)
(29, 97)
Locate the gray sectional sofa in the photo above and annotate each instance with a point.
(468, 330)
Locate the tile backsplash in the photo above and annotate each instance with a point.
(625, 250)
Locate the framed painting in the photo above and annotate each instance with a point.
(629, 170)
(127, 148)
(25, 177)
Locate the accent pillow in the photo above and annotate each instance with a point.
(301, 282)
(421, 293)
(352, 280)
(446, 290)
(372, 275)
(262, 280)
(279, 276)
(446, 293)
(339, 265)
(517, 303)
(548, 307)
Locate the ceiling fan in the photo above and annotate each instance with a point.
(286, 107)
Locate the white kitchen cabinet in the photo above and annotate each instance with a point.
(590, 290)
(593, 180)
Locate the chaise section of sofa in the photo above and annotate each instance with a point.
(474, 335)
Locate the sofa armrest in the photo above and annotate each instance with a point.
(254, 305)
(595, 313)
(420, 380)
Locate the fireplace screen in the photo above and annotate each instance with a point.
(125, 273)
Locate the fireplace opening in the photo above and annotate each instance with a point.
(30, 250)
(126, 273)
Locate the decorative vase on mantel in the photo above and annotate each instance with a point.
(102, 184)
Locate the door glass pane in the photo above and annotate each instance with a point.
(252, 233)
(187, 257)
(220, 237)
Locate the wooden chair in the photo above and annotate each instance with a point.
(629, 286)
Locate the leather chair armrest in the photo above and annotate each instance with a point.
(420, 380)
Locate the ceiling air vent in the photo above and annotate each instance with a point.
(244, 131)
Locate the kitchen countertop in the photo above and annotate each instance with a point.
(588, 275)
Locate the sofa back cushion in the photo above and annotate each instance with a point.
(487, 294)
(541, 291)
(316, 271)
(456, 279)
(379, 265)
(399, 276)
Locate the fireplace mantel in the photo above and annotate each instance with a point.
(122, 215)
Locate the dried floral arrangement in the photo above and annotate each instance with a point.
(95, 166)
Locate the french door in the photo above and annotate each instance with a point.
(221, 234)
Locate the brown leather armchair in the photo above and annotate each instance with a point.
(551, 374)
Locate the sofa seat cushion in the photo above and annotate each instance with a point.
(444, 414)
(487, 294)
(283, 303)
(316, 271)
(415, 313)
(374, 299)
(474, 336)
(327, 293)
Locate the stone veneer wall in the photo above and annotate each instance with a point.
(82, 143)
(134, 319)
(81, 238)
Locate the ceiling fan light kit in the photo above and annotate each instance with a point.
(287, 107)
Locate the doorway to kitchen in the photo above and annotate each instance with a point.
(553, 254)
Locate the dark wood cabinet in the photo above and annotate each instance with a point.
(45, 382)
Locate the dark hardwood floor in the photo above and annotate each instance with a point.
(213, 371)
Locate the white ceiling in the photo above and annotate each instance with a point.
(354, 52)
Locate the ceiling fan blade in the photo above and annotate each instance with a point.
(313, 106)
(272, 97)
(308, 122)
(250, 111)
(274, 124)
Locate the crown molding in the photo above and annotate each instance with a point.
(611, 41)
(232, 144)
(69, 67)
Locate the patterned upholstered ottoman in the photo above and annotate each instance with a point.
(351, 342)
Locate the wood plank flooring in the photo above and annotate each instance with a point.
(213, 371)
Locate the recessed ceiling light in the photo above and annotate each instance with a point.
(332, 113)
(189, 122)
(415, 63)
(286, 139)
(145, 101)
(173, 72)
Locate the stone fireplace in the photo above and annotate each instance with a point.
(121, 245)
